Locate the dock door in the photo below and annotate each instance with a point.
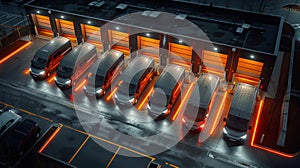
(214, 62)
(248, 71)
(180, 55)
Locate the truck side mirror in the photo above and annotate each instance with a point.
(224, 119)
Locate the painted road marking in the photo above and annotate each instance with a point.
(109, 163)
(80, 147)
(85, 133)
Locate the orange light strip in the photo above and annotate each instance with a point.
(247, 80)
(212, 71)
(46, 32)
(274, 151)
(256, 122)
(114, 91)
(261, 147)
(184, 64)
(218, 114)
(80, 147)
(111, 94)
(51, 79)
(182, 102)
(80, 85)
(50, 139)
(15, 52)
(26, 72)
(145, 99)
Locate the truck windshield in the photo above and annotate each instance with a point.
(95, 81)
(194, 111)
(64, 72)
(38, 63)
(237, 123)
(124, 89)
(158, 99)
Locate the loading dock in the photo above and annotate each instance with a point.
(214, 62)
(149, 47)
(66, 29)
(42, 24)
(180, 55)
(248, 71)
(119, 41)
(92, 35)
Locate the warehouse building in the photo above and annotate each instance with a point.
(239, 46)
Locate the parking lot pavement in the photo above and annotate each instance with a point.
(65, 144)
(4, 154)
(79, 149)
(94, 155)
(120, 161)
(11, 50)
(43, 92)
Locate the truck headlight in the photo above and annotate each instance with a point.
(244, 136)
(148, 106)
(55, 78)
(84, 87)
(116, 96)
(165, 111)
(225, 131)
(68, 82)
(99, 91)
(29, 69)
(131, 100)
(42, 73)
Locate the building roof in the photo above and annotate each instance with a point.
(242, 29)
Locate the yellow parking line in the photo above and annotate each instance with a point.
(139, 153)
(4, 104)
(28, 112)
(85, 133)
(80, 147)
(74, 129)
(33, 114)
(132, 150)
(113, 157)
(25, 111)
(45, 118)
(170, 164)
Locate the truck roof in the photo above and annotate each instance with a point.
(52, 46)
(243, 100)
(137, 67)
(169, 77)
(107, 60)
(79, 51)
(206, 86)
